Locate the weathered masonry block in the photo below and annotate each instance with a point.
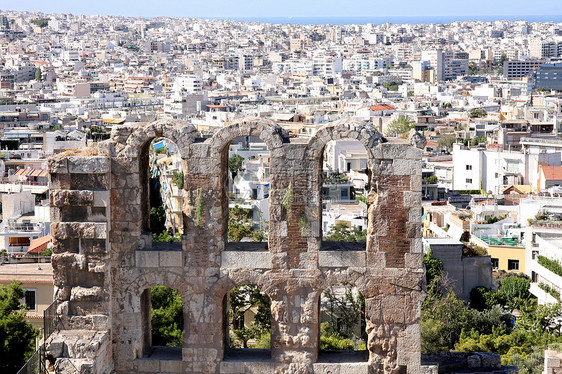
(104, 258)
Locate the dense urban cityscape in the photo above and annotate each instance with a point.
(482, 100)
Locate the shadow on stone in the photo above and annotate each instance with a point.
(342, 356)
(342, 246)
(164, 353)
(248, 355)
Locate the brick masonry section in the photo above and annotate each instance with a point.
(104, 259)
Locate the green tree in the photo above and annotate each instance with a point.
(515, 287)
(157, 219)
(433, 267)
(37, 74)
(242, 299)
(477, 113)
(393, 86)
(341, 232)
(446, 142)
(177, 179)
(41, 22)
(345, 312)
(239, 225)
(167, 317)
(235, 163)
(399, 126)
(17, 337)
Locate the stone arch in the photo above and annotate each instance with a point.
(354, 129)
(139, 300)
(270, 133)
(135, 138)
(132, 150)
(349, 281)
(236, 278)
(221, 289)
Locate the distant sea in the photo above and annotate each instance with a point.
(397, 20)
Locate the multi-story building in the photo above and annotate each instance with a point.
(549, 76)
(520, 69)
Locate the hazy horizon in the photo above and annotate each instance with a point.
(222, 9)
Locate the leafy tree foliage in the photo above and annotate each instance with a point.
(167, 316)
(17, 337)
(477, 113)
(157, 219)
(446, 142)
(41, 22)
(346, 312)
(399, 126)
(240, 226)
(433, 267)
(487, 325)
(37, 74)
(241, 299)
(340, 232)
(235, 164)
(177, 179)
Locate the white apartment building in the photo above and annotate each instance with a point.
(543, 239)
(493, 170)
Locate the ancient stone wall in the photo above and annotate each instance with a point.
(104, 259)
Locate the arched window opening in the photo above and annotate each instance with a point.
(344, 193)
(342, 325)
(248, 190)
(162, 320)
(162, 180)
(248, 323)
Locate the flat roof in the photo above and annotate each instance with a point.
(431, 241)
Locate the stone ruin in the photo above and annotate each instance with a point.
(104, 260)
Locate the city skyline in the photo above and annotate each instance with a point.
(293, 8)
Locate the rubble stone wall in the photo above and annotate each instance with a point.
(104, 259)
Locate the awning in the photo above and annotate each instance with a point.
(159, 145)
(116, 121)
(39, 245)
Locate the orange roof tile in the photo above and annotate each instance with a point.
(552, 172)
(40, 244)
(381, 107)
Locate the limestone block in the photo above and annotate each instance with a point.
(88, 164)
(58, 165)
(245, 259)
(473, 361)
(101, 199)
(337, 259)
(489, 360)
(406, 167)
(60, 198)
(87, 230)
(86, 293)
(147, 259)
(148, 365)
(170, 258)
(170, 366)
(552, 362)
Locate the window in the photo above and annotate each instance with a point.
(468, 180)
(512, 264)
(534, 254)
(29, 298)
(495, 263)
(468, 167)
(534, 277)
(496, 175)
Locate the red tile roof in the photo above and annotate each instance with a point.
(381, 107)
(552, 172)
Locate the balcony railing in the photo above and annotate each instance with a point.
(37, 362)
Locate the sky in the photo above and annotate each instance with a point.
(289, 8)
